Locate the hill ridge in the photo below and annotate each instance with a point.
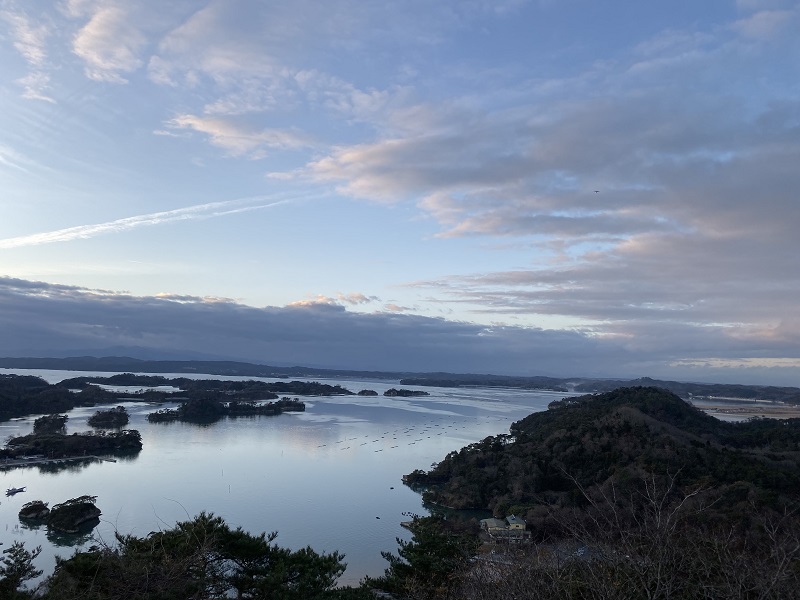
(613, 438)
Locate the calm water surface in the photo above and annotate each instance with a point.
(328, 478)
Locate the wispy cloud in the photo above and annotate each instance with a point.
(238, 139)
(13, 159)
(30, 40)
(109, 43)
(352, 299)
(35, 86)
(189, 213)
(765, 24)
(396, 308)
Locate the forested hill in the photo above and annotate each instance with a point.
(582, 445)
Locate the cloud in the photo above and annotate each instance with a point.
(46, 319)
(239, 139)
(351, 299)
(765, 24)
(756, 5)
(263, 58)
(188, 299)
(693, 227)
(200, 211)
(317, 301)
(30, 40)
(690, 135)
(41, 319)
(391, 307)
(355, 298)
(36, 85)
(242, 60)
(726, 294)
(529, 165)
(110, 43)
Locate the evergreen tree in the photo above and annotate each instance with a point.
(16, 568)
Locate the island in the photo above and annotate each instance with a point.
(22, 395)
(113, 418)
(209, 409)
(49, 447)
(403, 393)
(58, 445)
(67, 517)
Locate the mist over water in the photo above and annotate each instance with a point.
(329, 478)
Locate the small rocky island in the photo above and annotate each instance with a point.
(67, 517)
(113, 418)
(404, 393)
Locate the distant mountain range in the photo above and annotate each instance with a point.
(210, 367)
(789, 395)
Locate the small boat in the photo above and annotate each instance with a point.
(14, 490)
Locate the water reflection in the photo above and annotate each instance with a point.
(65, 466)
(80, 538)
(319, 478)
(69, 464)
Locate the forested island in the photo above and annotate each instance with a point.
(237, 390)
(209, 409)
(22, 395)
(404, 393)
(113, 418)
(200, 401)
(49, 440)
(61, 445)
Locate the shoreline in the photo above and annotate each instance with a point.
(769, 411)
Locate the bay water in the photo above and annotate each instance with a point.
(329, 477)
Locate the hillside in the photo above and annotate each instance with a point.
(579, 447)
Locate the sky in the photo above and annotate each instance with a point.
(599, 188)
